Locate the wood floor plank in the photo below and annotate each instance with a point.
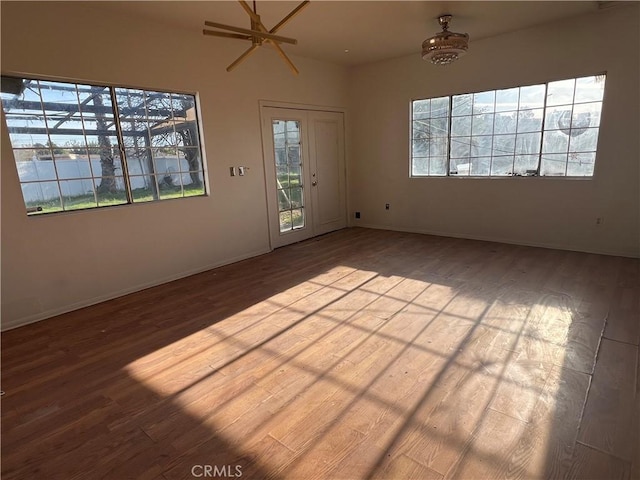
(407, 468)
(521, 385)
(378, 424)
(623, 325)
(553, 426)
(590, 464)
(437, 432)
(215, 452)
(607, 422)
(495, 450)
(45, 434)
(558, 333)
(164, 423)
(317, 459)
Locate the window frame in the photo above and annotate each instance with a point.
(119, 147)
(541, 132)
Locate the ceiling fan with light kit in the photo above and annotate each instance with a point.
(445, 47)
(258, 34)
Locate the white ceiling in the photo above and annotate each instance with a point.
(370, 30)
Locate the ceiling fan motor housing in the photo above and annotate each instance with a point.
(445, 47)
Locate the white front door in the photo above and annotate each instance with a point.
(305, 171)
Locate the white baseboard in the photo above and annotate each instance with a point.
(120, 293)
(555, 246)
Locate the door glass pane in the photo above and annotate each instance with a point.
(298, 218)
(296, 197)
(285, 221)
(284, 199)
(289, 174)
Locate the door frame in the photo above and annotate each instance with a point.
(262, 104)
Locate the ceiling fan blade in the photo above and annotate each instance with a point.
(226, 35)
(247, 9)
(238, 60)
(286, 19)
(255, 33)
(256, 23)
(284, 57)
(282, 22)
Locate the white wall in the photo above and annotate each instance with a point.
(551, 212)
(56, 263)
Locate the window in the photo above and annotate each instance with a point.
(79, 146)
(286, 141)
(549, 129)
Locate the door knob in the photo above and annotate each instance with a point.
(314, 183)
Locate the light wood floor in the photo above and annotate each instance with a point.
(360, 354)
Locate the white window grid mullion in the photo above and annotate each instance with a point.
(430, 137)
(515, 138)
(469, 158)
(573, 104)
(86, 145)
(515, 146)
(493, 133)
(154, 175)
(121, 145)
(55, 165)
(515, 134)
(175, 140)
(542, 128)
(286, 158)
(448, 164)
